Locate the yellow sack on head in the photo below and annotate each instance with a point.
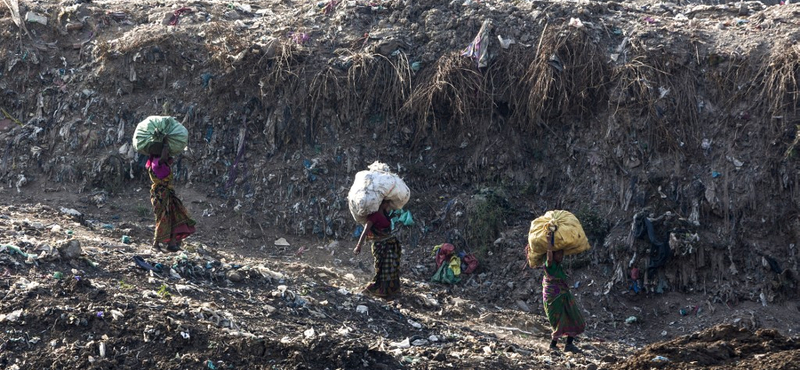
(569, 236)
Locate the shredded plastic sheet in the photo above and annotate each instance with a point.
(479, 48)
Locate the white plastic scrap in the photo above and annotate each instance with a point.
(575, 22)
(362, 309)
(415, 324)
(11, 317)
(70, 212)
(505, 43)
(21, 181)
(344, 331)
(406, 343)
(735, 161)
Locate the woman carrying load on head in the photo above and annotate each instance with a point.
(385, 250)
(173, 222)
(559, 305)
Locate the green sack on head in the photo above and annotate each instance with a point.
(150, 133)
(445, 275)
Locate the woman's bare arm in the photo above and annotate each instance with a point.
(362, 237)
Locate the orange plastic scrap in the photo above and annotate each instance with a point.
(173, 21)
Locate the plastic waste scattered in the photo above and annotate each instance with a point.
(715, 174)
(631, 320)
(126, 239)
(415, 66)
(58, 275)
(173, 20)
(734, 161)
(575, 22)
(362, 309)
(478, 49)
(139, 261)
(420, 342)
(406, 343)
(282, 242)
(211, 365)
(505, 43)
(415, 324)
(70, 212)
(659, 359)
(12, 317)
(357, 232)
(34, 17)
(12, 249)
(706, 144)
(299, 37)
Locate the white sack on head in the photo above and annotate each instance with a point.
(371, 187)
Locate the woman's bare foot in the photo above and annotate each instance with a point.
(173, 247)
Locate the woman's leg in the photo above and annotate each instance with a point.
(386, 280)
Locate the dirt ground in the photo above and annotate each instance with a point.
(683, 115)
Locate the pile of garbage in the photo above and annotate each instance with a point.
(101, 301)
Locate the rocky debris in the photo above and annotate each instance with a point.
(215, 305)
(721, 346)
(70, 249)
(202, 298)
